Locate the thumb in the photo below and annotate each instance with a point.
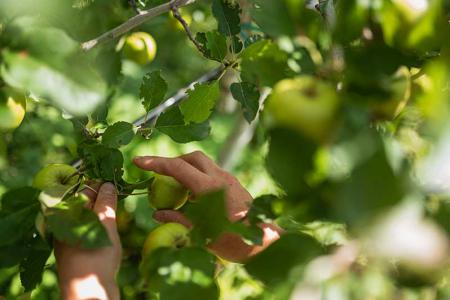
(106, 204)
(167, 216)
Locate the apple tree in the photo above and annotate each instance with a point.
(334, 114)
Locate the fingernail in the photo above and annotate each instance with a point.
(138, 158)
(108, 187)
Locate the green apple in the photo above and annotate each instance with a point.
(140, 47)
(169, 235)
(12, 109)
(55, 179)
(176, 25)
(305, 104)
(167, 193)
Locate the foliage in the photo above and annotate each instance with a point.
(360, 188)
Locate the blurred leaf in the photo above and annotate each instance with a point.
(209, 218)
(119, 134)
(351, 17)
(236, 45)
(227, 15)
(371, 189)
(186, 273)
(32, 266)
(76, 88)
(263, 63)
(214, 45)
(102, 162)
(287, 17)
(172, 123)
(153, 90)
(200, 103)
(72, 223)
(290, 160)
(272, 265)
(248, 95)
(261, 210)
(18, 211)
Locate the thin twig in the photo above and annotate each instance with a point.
(133, 4)
(170, 102)
(133, 23)
(177, 15)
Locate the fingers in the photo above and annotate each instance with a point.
(167, 216)
(105, 206)
(182, 171)
(201, 161)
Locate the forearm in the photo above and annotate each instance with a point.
(231, 247)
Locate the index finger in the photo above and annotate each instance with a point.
(182, 171)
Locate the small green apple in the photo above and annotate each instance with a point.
(169, 235)
(176, 25)
(167, 193)
(55, 179)
(12, 109)
(139, 47)
(305, 103)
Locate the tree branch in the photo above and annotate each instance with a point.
(134, 22)
(172, 101)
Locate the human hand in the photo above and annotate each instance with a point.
(200, 174)
(90, 274)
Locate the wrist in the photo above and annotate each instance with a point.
(89, 287)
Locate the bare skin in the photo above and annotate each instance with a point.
(200, 174)
(90, 274)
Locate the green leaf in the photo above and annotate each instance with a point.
(214, 45)
(75, 88)
(172, 124)
(19, 208)
(273, 265)
(287, 18)
(236, 45)
(248, 95)
(32, 266)
(290, 160)
(119, 134)
(263, 63)
(153, 89)
(369, 190)
(179, 274)
(13, 254)
(227, 15)
(200, 103)
(102, 162)
(208, 215)
(72, 223)
(261, 210)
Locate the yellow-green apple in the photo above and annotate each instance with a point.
(12, 109)
(140, 47)
(169, 235)
(305, 104)
(56, 179)
(167, 193)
